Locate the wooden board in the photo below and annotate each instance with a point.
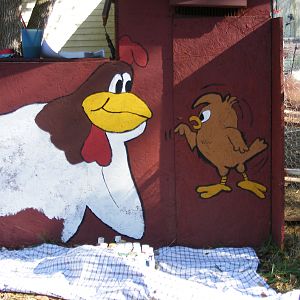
(210, 3)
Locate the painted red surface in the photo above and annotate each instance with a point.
(184, 56)
(194, 53)
(277, 133)
(225, 57)
(150, 24)
(25, 82)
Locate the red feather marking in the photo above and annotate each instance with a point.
(97, 148)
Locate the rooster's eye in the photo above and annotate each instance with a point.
(120, 84)
(116, 84)
(128, 86)
(127, 83)
(204, 116)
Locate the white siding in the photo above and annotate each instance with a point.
(90, 35)
(73, 29)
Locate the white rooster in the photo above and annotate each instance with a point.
(62, 175)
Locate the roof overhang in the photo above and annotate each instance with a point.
(210, 3)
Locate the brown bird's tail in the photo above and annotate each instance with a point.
(256, 147)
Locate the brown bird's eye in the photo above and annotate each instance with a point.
(204, 116)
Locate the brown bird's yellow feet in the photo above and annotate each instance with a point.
(213, 190)
(252, 186)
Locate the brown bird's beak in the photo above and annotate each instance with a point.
(197, 122)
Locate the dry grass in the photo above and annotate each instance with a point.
(292, 202)
(280, 267)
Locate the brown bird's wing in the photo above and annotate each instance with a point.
(236, 139)
(190, 136)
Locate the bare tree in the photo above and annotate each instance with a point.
(10, 24)
(40, 14)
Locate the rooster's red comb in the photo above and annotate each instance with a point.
(132, 52)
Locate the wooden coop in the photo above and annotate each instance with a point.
(178, 141)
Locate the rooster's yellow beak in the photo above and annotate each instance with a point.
(116, 112)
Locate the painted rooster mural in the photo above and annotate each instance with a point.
(216, 136)
(63, 156)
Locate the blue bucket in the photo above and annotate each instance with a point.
(31, 42)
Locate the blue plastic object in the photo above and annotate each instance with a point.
(31, 42)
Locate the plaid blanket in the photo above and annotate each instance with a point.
(93, 272)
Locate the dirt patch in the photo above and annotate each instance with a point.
(16, 296)
(292, 202)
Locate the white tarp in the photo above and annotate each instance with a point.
(92, 272)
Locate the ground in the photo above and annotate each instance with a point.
(292, 202)
(15, 296)
(280, 267)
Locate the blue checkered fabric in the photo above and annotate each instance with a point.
(222, 268)
(91, 272)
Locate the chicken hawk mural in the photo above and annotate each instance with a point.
(63, 156)
(216, 136)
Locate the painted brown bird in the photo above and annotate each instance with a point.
(218, 138)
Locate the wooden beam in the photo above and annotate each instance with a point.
(292, 172)
(210, 3)
(292, 179)
(292, 219)
(291, 116)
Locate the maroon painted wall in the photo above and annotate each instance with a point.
(150, 24)
(223, 55)
(230, 55)
(234, 55)
(277, 133)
